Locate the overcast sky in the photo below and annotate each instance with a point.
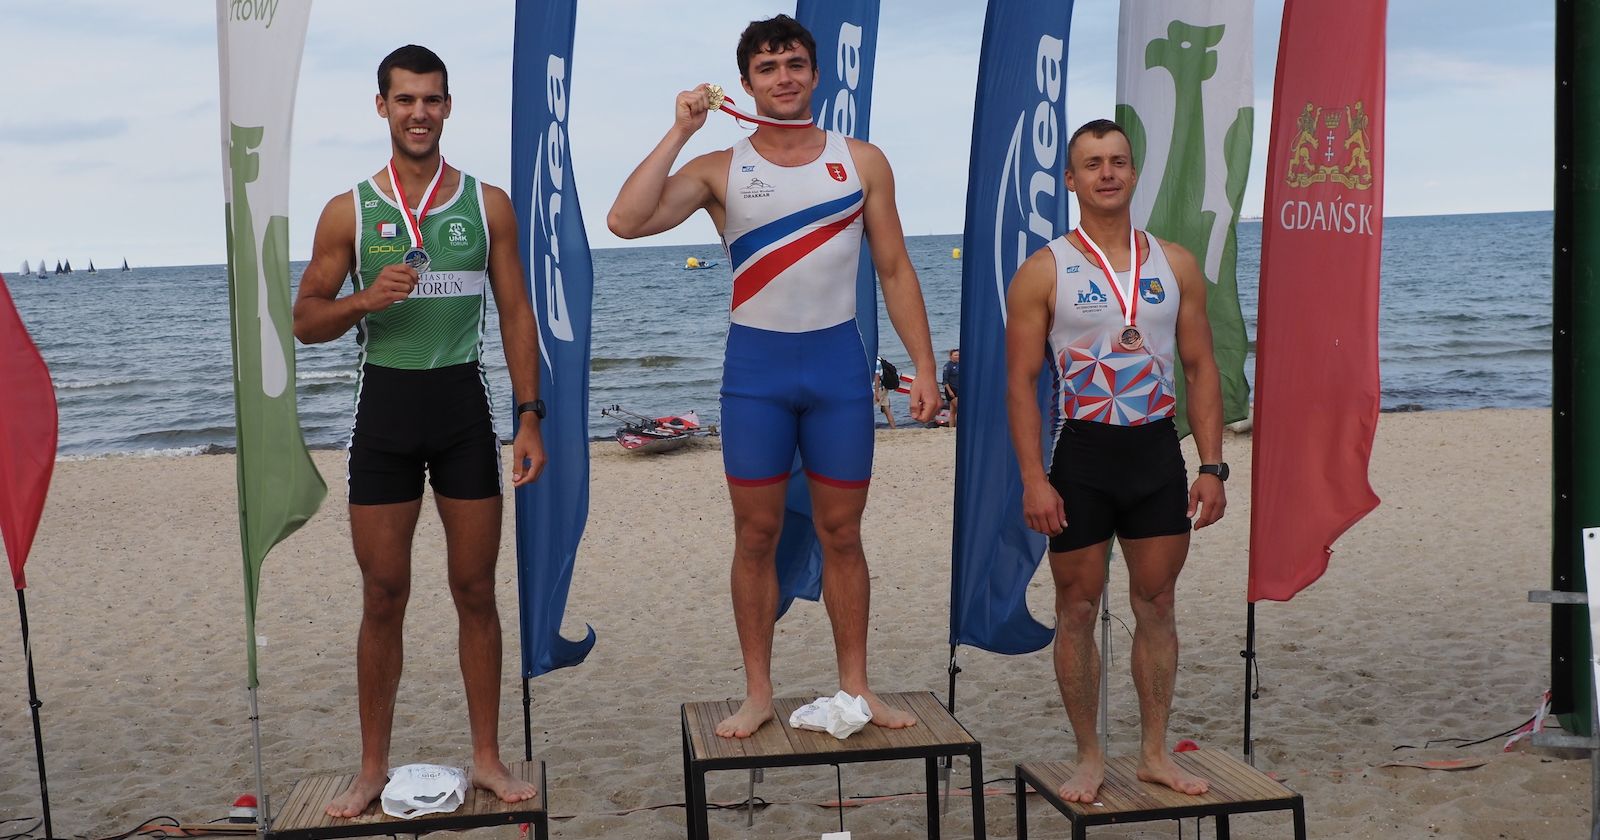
(109, 146)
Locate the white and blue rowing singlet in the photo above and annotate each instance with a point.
(793, 235)
(1097, 378)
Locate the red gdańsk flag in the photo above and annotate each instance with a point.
(1317, 395)
(27, 435)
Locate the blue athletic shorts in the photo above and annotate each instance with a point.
(810, 391)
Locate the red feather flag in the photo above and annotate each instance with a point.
(27, 435)
(1317, 394)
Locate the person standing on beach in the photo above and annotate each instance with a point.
(1114, 467)
(421, 240)
(952, 382)
(792, 202)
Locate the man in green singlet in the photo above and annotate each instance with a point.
(422, 241)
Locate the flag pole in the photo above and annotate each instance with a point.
(527, 722)
(33, 706)
(264, 807)
(1249, 655)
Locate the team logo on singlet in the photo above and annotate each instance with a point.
(1151, 290)
(1092, 300)
(757, 188)
(458, 233)
(836, 170)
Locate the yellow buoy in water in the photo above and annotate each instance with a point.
(692, 262)
(955, 253)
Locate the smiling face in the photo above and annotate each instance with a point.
(416, 107)
(1100, 170)
(781, 82)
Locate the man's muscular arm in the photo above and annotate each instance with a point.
(319, 313)
(518, 333)
(1202, 383)
(902, 293)
(650, 201)
(1029, 304)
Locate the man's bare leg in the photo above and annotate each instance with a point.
(472, 545)
(1080, 576)
(757, 521)
(381, 535)
(1153, 566)
(847, 592)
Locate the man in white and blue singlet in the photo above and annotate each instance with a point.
(1110, 332)
(792, 202)
(422, 401)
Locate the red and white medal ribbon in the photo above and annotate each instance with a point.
(720, 102)
(414, 222)
(1129, 301)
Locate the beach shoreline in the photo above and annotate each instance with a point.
(1420, 630)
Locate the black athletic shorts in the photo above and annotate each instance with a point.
(413, 421)
(1123, 480)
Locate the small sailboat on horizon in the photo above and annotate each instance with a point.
(26, 269)
(125, 264)
(41, 269)
(91, 267)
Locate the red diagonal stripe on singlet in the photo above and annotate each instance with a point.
(756, 278)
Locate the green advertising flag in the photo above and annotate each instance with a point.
(279, 488)
(1184, 94)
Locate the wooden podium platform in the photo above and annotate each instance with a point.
(775, 744)
(302, 816)
(1236, 788)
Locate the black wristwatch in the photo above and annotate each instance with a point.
(1220, 470)
(537, 407)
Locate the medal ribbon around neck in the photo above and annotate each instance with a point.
(1130, 301)
(720, 102)
(414, 223)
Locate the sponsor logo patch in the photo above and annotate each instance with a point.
(387, 230)
(748, 167)
(1092, 297)
(757, 188)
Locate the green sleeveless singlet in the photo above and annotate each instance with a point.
(441, 323)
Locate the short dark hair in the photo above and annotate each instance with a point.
(1096, 129)
(772, 35)
(412, 58)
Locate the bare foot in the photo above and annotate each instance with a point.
(744, 723)
(493, 777)
(885, 715)
(354, 801)
(1165, 771)
(1084, 786)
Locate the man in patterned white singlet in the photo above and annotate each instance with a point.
(792, 203)
(421, 242)
(1110, 308)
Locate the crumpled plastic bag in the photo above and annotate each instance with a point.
(417, 790)
(841, 715)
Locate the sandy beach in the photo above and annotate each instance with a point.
(1420, 630)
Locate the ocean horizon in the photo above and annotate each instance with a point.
(147, 371)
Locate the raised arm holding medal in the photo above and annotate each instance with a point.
(1111, 306)
(421, 254)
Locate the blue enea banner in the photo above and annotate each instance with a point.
(551, 512)
(847, 44)
(1016, 203)
(846, 32)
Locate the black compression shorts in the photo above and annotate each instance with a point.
(1123, 480)
(413, 421)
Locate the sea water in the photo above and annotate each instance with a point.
(141, 360)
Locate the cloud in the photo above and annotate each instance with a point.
(56, 132)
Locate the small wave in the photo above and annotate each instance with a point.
(611, 362)
(175, 452)
(96, 383)
(324, 375)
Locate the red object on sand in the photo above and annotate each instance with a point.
(1317, 396)
(1186, 745)
(27, 436)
